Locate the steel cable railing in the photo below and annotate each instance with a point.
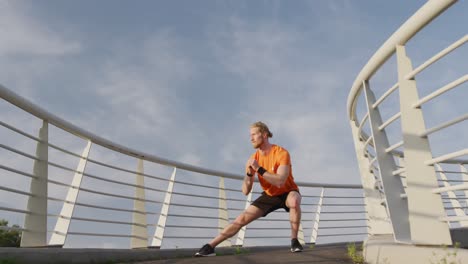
(97, 187)
(405, 174)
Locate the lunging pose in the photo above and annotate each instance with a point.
(272, 164)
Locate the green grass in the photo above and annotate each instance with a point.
(9, 261)
(354, 254)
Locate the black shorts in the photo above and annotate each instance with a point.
(269, 203)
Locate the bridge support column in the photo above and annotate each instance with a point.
(392, 185)
(159, 232)
(140, 226)
(35, 222)
(425, 207)
(378, 220)
(63, 222)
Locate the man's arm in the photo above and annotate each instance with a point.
(277, 179)
(248, 180)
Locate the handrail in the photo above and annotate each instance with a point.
(413, 25)
(37, 111)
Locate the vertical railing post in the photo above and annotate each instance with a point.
(63, 221)
(140, 226)
(315, 227)
(464, 173)
(300, 234)
(452, 196)
(35, 222)
(241, 233)
(424, 207)
(392, 185)
(378, 221)
(159, 232)
(223, 218)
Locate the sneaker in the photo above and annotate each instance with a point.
(295, 245)
(206, 251)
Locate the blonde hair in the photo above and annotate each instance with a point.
(262, 127)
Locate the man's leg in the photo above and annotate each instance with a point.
(249, 215)
(293, 202)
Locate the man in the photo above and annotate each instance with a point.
(272, 164)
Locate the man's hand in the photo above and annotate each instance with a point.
(253, 164)
(248, 168)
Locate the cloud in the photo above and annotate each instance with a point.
(24, 35)
(282, 86)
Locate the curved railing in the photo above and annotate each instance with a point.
(138, 200)
(411, 192)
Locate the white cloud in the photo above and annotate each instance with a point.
(282, 88)
(24, 35)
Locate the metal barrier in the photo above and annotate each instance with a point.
(410, 191)
(74, 199)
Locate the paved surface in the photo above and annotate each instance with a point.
(330, 254)
(323, 254)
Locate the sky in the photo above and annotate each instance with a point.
(184, 80)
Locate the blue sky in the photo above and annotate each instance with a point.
(185, 79)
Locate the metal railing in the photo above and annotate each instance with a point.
(82, 199)
(409, 189)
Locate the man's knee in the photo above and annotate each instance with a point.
(240, 221)
(294, 201)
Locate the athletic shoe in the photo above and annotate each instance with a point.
(295, 245)
(206, 251)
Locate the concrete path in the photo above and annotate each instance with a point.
(324, 254)
(330, 254)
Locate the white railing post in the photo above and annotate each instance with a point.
(223, 218)
(378, 221)
(392, 185)
(300, 234)
(464, 173)
(35, 222)
(159, 232)
(63, 221)
(315, 228)
(424, 207)
(453, 197)
(241, 233)
(140, 226)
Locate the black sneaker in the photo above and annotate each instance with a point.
(206, 251)
(295, 245)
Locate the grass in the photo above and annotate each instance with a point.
(8, 261)
(354, 254)
(448, 257)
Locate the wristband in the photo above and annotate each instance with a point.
(261, 170)
(250, 175)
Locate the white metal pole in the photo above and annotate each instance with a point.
(159, 232)
(241, 233)
(424, 207)
(378, 220)
(464, 173)
(392, 186)
(35, 222)
(223, 217)
(315, 228)
(63, 222)
(140, 226)
(453, 197)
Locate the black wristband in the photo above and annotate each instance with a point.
(261, 170)
(250, 175)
